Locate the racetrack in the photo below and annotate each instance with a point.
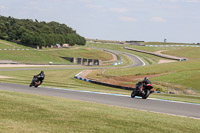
(160, 106)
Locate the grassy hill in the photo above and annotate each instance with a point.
(188, 52)
(177, 75)
(10, 45)
(23, 54)
(148, 59)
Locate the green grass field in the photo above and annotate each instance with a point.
(148, 59)
(188, 52)
(33, 113)
(186, 74)
(10, 45)
(166, 43)
(45, 56)
(178, 75)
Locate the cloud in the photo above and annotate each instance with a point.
(2, 7)
(119, 10)
(188, 1)
(157, 19)
(174, 0)
(128, 19)
(94, 6)
(86, 1)
(193, 1)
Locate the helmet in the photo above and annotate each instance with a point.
(146, 78)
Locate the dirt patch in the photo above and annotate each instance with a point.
(4, 77)
(166, 55)
(159, 52)
(85, 73)
(114, 58)
(166, 61)
(123, 80)
(88, 48)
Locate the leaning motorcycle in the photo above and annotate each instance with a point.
(142, 90)
(35, 82)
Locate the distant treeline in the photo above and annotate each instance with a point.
(34, 33)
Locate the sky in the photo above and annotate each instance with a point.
(121, 20)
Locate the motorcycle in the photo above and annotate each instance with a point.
(142, 90)
(35, 82)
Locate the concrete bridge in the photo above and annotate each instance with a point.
(84, 61)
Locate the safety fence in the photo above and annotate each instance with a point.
(101, 83)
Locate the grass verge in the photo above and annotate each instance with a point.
(33, 113)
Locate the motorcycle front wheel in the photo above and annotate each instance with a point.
(133, 94)
(147, 92)
(37, 84)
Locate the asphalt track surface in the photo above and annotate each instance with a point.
(152, 105)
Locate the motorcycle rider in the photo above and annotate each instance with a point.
(146, 81)
(41, 76)
(143, 89)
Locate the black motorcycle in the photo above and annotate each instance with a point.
(37, 80)
(142, 90)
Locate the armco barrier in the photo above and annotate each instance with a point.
(110, 85)
(106, 84)
(100, 83)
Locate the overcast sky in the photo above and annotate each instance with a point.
(147, 20)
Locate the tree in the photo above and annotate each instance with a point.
(33, 33)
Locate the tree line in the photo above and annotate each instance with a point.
(35, 33)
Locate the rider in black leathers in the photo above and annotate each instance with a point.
(41, 76)
(146, 81)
